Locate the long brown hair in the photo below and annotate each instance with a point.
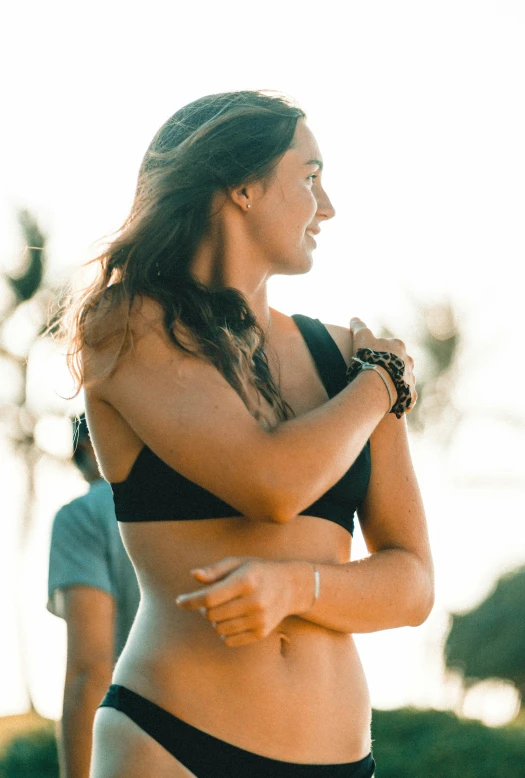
(212, 144)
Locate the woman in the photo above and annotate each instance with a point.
(238, 455)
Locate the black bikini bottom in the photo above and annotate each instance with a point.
(209, 757)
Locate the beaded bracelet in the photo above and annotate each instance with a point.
(394, 366)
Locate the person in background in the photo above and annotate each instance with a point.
(92, 585)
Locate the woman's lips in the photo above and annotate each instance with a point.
(311, 236)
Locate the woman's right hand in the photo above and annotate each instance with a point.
(363, 337)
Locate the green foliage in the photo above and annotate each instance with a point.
(436, 744)
(33, 755)
(489, 641)
(28, 282)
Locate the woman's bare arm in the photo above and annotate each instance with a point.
(393, 587)
(186, 412)
(90, 618)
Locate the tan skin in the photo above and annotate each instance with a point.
(259, 653)
(90, 618)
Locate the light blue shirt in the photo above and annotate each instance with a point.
(87, 550)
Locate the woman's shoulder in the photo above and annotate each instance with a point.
(117, 331)
(343, 338)
(116, 314)
(341, 335)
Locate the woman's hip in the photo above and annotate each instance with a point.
(207, 756)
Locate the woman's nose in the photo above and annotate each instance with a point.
(325, 209)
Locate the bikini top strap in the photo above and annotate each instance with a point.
(329, 361)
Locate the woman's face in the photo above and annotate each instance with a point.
(292, 206)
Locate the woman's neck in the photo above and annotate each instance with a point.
(220, 264)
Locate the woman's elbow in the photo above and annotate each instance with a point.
(277, 495)
(270, 515)
(273, 507)
(423, 602)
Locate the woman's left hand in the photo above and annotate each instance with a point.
(245, 598)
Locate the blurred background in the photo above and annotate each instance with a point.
(419, 111)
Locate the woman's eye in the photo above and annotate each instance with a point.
(313, 177)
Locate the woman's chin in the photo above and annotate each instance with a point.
(295, 264)
(299, 265)
(307, 261)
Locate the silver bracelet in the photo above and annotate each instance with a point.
(369, 366)
(317, 585)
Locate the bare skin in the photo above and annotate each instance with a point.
(89, 614)
(259, 653)
(90, 617)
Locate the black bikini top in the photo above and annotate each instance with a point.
(153, 491)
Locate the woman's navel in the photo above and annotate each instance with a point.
(284, 644)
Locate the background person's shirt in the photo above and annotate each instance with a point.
(87, 550)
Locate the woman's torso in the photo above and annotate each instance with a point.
(300, 694)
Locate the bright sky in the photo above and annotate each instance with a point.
(418, 109)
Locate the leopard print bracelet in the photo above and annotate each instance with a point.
(394, 366)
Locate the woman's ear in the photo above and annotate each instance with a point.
(241, 197)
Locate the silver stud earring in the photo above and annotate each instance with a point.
(248, 205)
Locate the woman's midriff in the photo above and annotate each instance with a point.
(297, 695)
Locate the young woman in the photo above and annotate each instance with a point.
(238, 455)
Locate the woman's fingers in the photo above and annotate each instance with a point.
(242, 639)
(413, 394)
(233, 609)
(238, 622)
(219, 569)
(214, 595)
(362, 337)
(234, 577)
(247, 603)
(235, 626)
(357, 325)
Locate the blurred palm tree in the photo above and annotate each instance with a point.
(28, 283)
(439, 347)
(23, 318)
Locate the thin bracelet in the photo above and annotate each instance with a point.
(369, 366)
(317, 585)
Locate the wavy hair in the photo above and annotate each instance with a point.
(213, 144)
